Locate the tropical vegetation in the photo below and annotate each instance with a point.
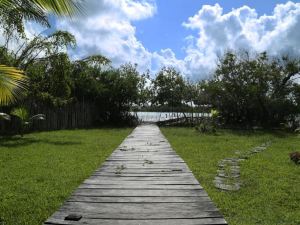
(12, 15)
(247, 89)
(40, 81)
(255, 91)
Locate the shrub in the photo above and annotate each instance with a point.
(206, 126)
(295, 157)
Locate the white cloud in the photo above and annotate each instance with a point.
(106, 28)
(166, 57)
(241, 28)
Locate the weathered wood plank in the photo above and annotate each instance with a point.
(97, 180)
(120, 178)
(136, 185)
(139, 192)
(140, 200)
(182, 210)
(202, 221)
(143, 170)
(139, 216)
(143, 182)
(124, 174)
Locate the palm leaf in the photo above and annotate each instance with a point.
(12, 84)
(38, 117)
(4, 116)
(33, 12)
(5, 3)
(60, 7)
(21, 113)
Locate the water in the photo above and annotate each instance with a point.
(162, 116)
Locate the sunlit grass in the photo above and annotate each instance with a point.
(270, 193)
(38, 172)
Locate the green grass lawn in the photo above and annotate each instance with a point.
(270, 193)
(38, 172)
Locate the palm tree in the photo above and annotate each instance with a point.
(12, 80)
(25, 120)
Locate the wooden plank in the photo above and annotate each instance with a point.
(92, 221)
(148, 170)
(96, 180)
(124, 174)
(205, 221)
(140, 200)
(157, 210)
(135, 178)
(138, 185)
(197, 214)
(143, 182)
(139, 192)
(144, 163)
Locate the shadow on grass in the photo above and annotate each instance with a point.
(255, 133)
(248, 133)
(13, 142)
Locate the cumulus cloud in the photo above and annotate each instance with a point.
(106, 28)
(240, 28)
(166, 57)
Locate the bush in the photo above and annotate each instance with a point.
(206, 126)
(295, 157)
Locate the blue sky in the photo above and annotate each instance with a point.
(189, 35)
(165, 30)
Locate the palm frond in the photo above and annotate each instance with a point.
(37, 8)
(5, 3)
(4, 116)
(13, 83)
(33, 12)
(21, 113)
(38, 117)
(61, 7)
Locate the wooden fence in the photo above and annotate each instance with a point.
(76, 115)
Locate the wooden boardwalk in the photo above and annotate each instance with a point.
(143, 182)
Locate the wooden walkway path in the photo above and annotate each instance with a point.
(143, 182)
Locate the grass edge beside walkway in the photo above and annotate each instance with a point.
(38, 172)
(270, 193)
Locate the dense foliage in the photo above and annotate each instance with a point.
(13, 14)
(255, 91)
(55, 81)
(247, 91)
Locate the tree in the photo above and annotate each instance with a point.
(118, 91)
(50, 80)
(41, 47)
(168, 87)
(253, 90)
(12, 14)
(144, 90)
(85, 73)
(190, 93)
